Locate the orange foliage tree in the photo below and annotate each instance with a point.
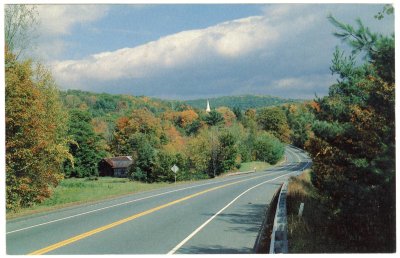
(36, 146)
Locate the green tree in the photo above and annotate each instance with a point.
(145, 158)
(198, 149)
(227, 153)
(353, 149)
(243, 140)
(300, 120)
(214, 118)
(268, 148)
(238, 113)
(86, 146)
(164, 163)
(193, 128)
(274, 120)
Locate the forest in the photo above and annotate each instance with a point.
(350, 135)
(159, 133)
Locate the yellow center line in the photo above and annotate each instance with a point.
(122, 221)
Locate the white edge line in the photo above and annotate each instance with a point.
(216, 214)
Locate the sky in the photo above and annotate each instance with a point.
(188, 51)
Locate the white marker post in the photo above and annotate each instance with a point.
(301, 208)
(175, 169)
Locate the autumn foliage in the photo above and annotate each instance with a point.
(35, 133)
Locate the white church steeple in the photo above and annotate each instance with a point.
(208, 109)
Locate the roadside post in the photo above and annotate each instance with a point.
(301, 208)
(175, 169)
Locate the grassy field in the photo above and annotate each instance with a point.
(307, 234)
(74, 191)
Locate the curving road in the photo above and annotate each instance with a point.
(221, 215)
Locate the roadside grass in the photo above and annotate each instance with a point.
(249, 166)
(309, 233)
(74, 191)
(259, 165)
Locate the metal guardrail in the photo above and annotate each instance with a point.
(279, 241)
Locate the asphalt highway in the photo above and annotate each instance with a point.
(217, 216)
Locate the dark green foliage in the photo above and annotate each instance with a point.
(383, 59)
(85, 147)
(105, 104)
(228, 151)
(274, 120)
(214, 118)
(224, 153)
(110, 106)
(268, 148)
(193, 128)
(238, 113)
(145, 157)
(300, 120)
(165, 161)
(354, 145)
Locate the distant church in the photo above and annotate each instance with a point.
(208, 109)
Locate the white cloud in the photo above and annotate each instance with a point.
(285, 52)
(229, 40)
(60, 19)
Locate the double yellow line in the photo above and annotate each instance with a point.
(122, 221)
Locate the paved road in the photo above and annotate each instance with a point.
(221, 215)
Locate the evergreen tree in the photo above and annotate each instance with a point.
(214, 118)
(353, 149)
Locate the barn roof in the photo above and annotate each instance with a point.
(120, 161)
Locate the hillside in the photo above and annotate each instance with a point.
(110, 105)
(243, 102)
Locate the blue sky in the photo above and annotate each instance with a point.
(130, 26)
(193, 51)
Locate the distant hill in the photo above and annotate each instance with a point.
(112, 106)
(243, 102)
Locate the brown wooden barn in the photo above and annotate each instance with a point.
(116, 167)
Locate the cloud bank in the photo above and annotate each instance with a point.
(285, 52)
